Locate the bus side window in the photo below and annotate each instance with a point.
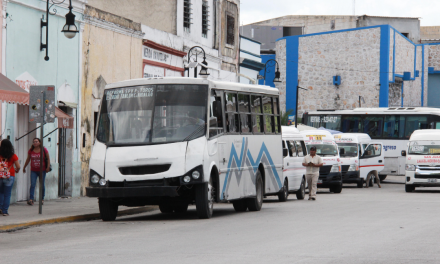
(245, 115)
(257, 114)
(215, 116)
(232, 118)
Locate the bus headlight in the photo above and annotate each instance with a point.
(196, 175)
(94, 179)
(186, 179)
(410, 167)
(335, 168)
(102, 182)
(353, 168)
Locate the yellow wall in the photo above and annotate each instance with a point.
(115, 57)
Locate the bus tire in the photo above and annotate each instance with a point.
(301, 193)
(180, 208)
(382, 177)
(165, 209)
(255, 204)
(205, 199)
(409, 188)
(240, 205)
(360, 183)
(284, 192)
(108, 209)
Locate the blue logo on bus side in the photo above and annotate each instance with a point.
(236, 164)
(389, 148)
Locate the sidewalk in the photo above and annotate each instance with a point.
(22, 215)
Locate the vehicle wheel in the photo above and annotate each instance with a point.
(108, 209)
(240, 205)
(301, 193)
(205, 199)
(409, 188)
(336, 189)
(165, 209)
(284, 192)
(360, 183)
(180, 208)
(255, 204)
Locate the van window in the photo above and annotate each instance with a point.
(292, 148)
(300, 148)
(373, 150)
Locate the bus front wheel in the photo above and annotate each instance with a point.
(108, 209)
(255, 204)
(205, 199)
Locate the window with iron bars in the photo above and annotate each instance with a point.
(187, 15)
(230, 30)
(205, 19)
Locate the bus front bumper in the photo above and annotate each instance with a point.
(122, 192)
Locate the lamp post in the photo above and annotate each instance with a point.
(192, 53)
(296, 110)
(272, 62)
(69, 28)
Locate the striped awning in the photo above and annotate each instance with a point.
(11, 92)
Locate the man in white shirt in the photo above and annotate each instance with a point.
(312, 162)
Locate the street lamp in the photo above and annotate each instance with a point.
(69, 28)
(272, 62)
(296, 111)
(192, 53)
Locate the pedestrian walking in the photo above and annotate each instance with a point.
(34, 158)
(312, 162)
(8, 160)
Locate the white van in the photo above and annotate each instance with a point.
(355, 167)
(330, 174)
(423, 159)
(294, 150)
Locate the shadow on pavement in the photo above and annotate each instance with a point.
(191, 214)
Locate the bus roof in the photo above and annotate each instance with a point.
(380, 110)
(425, 134)
(233, 86)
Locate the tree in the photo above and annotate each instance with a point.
(285, 117)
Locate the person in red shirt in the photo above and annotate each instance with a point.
(34, 158)
(8, 160)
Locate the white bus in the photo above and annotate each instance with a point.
(178, 141)
(391, 126)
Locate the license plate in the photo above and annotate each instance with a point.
(432, 180)
(320, 181)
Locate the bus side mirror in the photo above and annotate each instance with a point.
(403, 153)
(217, 109)
(285, 152)
(341, 151)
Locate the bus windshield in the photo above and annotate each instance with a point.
(351, 149)
(424, 147)
(152, 114)
(323, 149)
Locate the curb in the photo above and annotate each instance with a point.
(75, 218)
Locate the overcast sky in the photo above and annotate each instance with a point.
(258, 10)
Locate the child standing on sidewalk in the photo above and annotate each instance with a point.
(7, 174)
(34, 158)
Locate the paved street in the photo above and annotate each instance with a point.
(371, 225)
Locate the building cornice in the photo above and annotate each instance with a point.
(93, 21)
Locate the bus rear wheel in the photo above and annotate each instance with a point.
(205, 199)
(108, 209)
(255, 204)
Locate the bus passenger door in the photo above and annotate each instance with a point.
(372, 159)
